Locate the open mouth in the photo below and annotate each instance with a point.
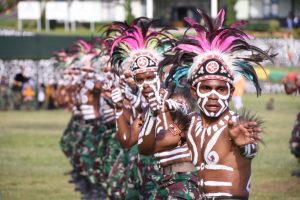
(213, 107)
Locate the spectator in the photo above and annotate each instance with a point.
(239, 84)
(28, 94)
(297, 21)
(16, 89)
(290, 21)
(41, 96)
(52, 104)
(4, 93)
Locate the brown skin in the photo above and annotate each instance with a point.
(53, 93)
(227, 145)
(93, 95)
(63, 97)
(73, 89)
(128, 78)
(127, 134)
(125, 129)
(131, 131)
(239, 132)
(164, 140)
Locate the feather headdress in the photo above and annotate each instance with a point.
(140, 48)
(215, 52)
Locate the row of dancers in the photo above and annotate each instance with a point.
(150, 111)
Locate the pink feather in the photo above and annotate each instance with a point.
(205, 44)
(226, 45)
(85, 45)
(190, 21)
(190, 48)
(220, 18)
(238, 23)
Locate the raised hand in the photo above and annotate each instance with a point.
(172, 105)
(244, 132)
(117, 97)
(153, 100)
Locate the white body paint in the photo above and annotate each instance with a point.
(217, 183)
(147, 126)
(88, 112)
(191, 139)
(203, 98)
(208, 139)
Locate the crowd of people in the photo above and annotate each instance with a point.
(24, 93)
(28, 84)
(21, 94)
(150, 112)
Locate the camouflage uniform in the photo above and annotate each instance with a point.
(92, 133)
(117, 179)
(150, 176)
(132, 174)
(17, 98)
(108, 150)
(70, 140)
(69, 137)
(76, 145)
(179, 185)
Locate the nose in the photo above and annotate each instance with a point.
(145, 85)
(213, 95)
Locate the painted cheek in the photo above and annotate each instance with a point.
(200, 103)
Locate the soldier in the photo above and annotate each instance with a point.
(141, 49)
(92, 129)
(16, 90)
(72, 134)
(221, 142)
(126, 110)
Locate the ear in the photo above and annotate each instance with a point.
(193, 92)
(232, 88)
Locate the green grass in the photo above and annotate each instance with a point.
(274, 163)
(32, 165)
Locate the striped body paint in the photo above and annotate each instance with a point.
(218, 176)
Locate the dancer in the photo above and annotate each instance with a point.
(142, 49)
(222, 143)
(134, 49)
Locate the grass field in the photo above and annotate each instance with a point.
(32, 165)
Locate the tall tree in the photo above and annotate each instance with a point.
(129, 16)
(231, 14)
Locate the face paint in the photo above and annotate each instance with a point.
(90, 74)
(222, 100)
(154, 84)
(67, 79)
